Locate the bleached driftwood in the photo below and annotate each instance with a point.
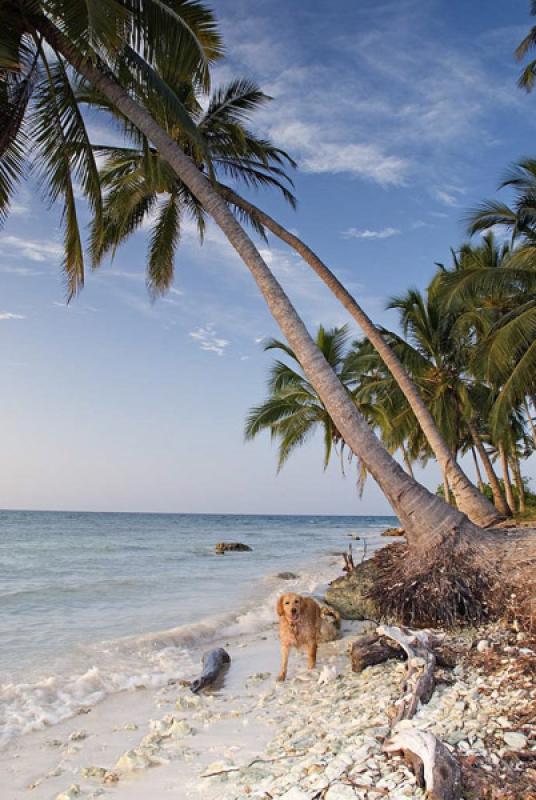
(435, 768)
(419, 682)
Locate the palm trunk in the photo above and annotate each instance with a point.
(407, 461)
(530, 420)
(446, 490)
(477, 470)
(498, 496)
(427, 519)
(518, 478)
(506, 477)
(469, 499)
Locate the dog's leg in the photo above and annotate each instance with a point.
(311, 656)
(284, 663)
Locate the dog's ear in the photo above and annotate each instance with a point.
(279, 607)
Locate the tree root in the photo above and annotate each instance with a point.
(435, 767)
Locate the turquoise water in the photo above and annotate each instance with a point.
(96, 603)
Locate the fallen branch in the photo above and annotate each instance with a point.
(255, 761)
(419, 683)
(435, 768)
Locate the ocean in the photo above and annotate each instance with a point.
(97, 603)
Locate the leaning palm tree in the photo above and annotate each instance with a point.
(136, 176)
(114, 48)
(142, 190)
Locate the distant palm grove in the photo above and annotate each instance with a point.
(461, 376)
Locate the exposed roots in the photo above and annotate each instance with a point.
(442, 589)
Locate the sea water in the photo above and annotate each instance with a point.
(96, 603)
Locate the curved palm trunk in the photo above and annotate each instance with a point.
(428, 521)
(506, 477)
(518, 478)
(469, 499)
(480, 482)
(498, 496)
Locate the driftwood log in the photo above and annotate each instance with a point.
(435, 768)
(213, 663)
(419, 682)
(370, 649)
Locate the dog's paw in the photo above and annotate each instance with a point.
(281, 677)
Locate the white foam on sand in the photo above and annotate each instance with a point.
(148, 661)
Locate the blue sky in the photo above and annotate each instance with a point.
(401, 115)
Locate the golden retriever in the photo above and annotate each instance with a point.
(299, 626)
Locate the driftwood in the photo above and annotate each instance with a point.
(435, 768)
(348, 557)
(371, 649)
(213, 663)
(419, 682)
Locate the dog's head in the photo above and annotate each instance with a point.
(290, 606)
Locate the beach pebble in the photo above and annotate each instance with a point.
(94, 772)
(132, 760)
(77, 736)
(516, 741)
(296, 794)
(72, 791)
(482, 646)
(341, 791)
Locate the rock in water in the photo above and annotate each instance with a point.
(393, 532)
(224, 547)
(287, 576)
(213, 663)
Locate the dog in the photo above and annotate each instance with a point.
(299, 626)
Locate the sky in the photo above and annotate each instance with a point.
(401, 116)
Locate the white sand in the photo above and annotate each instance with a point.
(227, 725)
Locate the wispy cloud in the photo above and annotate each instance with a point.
(384, 233)
(5, 315)
(32, 249)
(450, 196)
(208, 340)
(22, 272)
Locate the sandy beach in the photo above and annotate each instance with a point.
(319, 735)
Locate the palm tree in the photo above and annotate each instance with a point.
(99, 49)
(136, 176)
(436, 353)
(526, 79)
(293, 410)
(500, 291)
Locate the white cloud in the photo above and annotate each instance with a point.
(384, 233)
(22, 272)
(208, 340)
(34, 250)
(4, 315)
(321, 150)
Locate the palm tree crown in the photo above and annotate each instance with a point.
(42, 129)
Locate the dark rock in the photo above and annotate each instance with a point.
(287, 576)
(393, 532)
(224, 547)
(348, 594)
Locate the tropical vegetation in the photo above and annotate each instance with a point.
(142, 65)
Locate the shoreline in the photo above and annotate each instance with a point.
(319, 731)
